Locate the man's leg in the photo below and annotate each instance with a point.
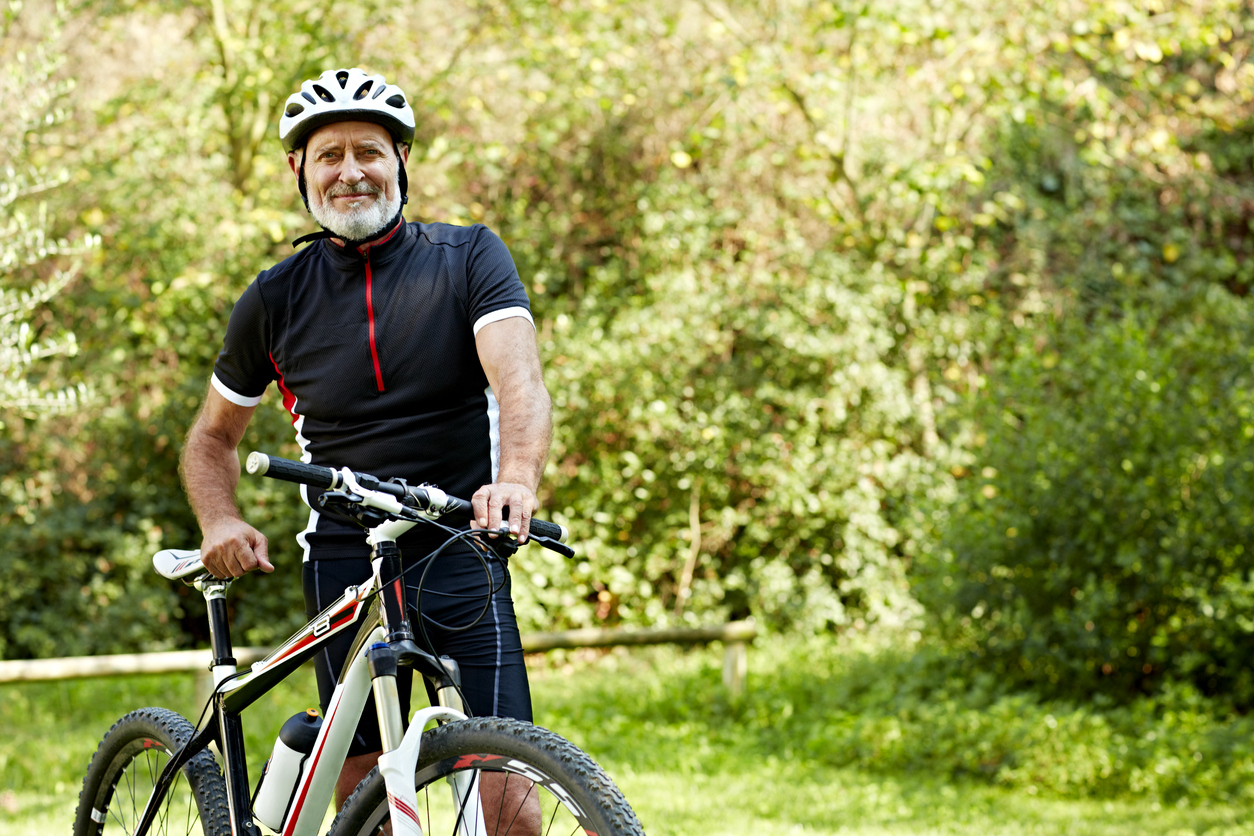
(354, 771)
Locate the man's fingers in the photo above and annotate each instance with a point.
(495, 502)
(519, 518)
(262, 551)
(504, 505)
(479, 503)
(235, 552)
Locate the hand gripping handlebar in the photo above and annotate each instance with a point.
(431, 500)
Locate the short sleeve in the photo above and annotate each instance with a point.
(495, 290)
(243, 369)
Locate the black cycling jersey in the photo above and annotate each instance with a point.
(374, 353)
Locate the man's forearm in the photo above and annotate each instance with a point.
(210, 471)
(526, 426)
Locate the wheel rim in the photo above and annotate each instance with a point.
(130, 781)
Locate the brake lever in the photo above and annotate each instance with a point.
(552, 545)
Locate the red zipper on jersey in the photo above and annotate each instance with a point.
(374, 349)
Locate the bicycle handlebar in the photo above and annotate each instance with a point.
(431, 500)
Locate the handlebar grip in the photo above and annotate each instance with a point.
(259, 464)
(552, 530)
(541, 528)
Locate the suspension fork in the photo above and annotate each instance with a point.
(401, 747)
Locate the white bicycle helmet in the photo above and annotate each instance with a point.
(345, 96)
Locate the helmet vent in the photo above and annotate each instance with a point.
(379, 92)
(323, 94)
(342, 78)
(293, 109)
(362, 91)
(310, 98)
(397, 101)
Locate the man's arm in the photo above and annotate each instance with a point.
(210, 471)
(508, 353)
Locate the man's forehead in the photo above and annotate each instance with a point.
(356, 133)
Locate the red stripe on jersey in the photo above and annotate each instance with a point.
(374, 351)
(289, 400)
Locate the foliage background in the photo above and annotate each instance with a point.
(832, 297)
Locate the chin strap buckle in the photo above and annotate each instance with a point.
(313, 236)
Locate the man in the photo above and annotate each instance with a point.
(400, 350)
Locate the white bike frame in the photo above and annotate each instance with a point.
(320, 771)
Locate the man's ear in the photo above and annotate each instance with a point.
(293, 161)
(404, 149)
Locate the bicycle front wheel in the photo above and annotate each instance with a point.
(491, 776)
(124, 771)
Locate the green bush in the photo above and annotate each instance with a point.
(1099, 543)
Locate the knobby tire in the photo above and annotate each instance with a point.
(575, 795)
(123, 773)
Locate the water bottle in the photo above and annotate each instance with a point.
(282, 771)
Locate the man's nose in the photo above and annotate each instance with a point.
(351, 170)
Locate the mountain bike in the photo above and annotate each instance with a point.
(154, 771)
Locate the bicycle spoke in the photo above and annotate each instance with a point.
(553, 818)
(191, 806)
(461, 805)
(118, 819)
(130, 788)
(500, 807)
(521, 804)
(165, 808)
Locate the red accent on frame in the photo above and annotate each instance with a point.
(374, 350)
(305, 642)
(294, 813)
(405, 808)
(289, 400)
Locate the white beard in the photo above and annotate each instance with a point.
(359, 222)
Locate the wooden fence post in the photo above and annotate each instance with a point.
(735, 667)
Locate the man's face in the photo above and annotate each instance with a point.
(350, 177)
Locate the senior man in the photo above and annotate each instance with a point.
(400, 349)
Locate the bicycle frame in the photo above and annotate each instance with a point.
(377, 619)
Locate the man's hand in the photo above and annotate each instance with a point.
(233, 548)
(488, 501)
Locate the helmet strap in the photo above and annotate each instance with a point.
(402, 179)
(300, 182)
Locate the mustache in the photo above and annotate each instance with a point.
(355, 189)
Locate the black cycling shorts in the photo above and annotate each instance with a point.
(494, 676)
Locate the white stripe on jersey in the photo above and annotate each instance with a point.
(305, 456)
(503, 313)
(494, 430)
(231, 395)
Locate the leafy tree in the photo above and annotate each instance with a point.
(782, 258)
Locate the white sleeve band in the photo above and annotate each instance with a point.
(503, 313)
(234, 397)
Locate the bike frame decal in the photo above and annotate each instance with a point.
(469, 761)
(400, 806)
(322, 767)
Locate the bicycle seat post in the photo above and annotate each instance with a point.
(214, 590)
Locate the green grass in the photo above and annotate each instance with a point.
(828, 741)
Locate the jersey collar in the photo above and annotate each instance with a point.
(362, 247)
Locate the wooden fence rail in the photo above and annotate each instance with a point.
(735, 636)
